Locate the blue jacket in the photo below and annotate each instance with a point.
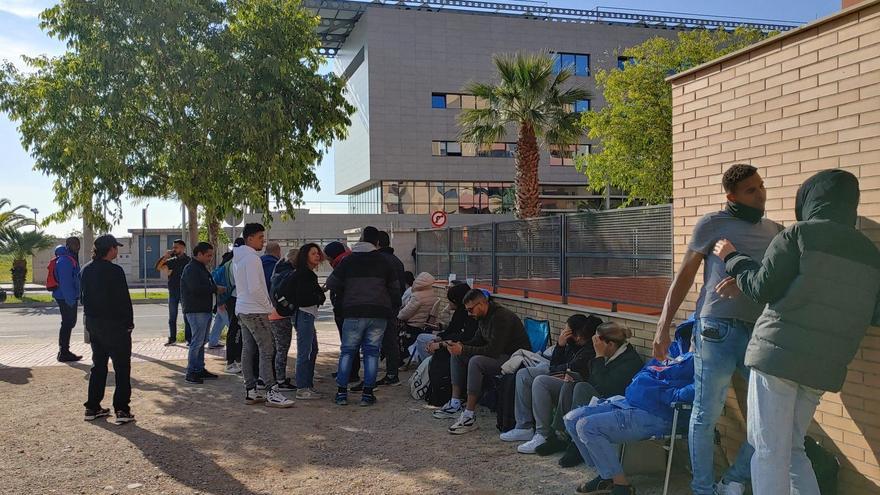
(658, 385)
(269, 263)
(67, 275)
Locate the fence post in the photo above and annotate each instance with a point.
(494, 257)
(563, 258)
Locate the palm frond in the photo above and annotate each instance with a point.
(21, 244)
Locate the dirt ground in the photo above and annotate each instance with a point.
(203, 439)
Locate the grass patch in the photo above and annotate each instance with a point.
(44, 298)
(6, 269)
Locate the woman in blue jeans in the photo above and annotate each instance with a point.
(308, 295)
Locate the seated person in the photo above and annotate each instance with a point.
(461, 326)
(500, 333)
(541, 388)
(408, 278)
(417, 310)
(646, 411)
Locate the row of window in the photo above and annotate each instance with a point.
(559, 156)
(577, 63)
(452, 197)
(623, 61)
(465, 101)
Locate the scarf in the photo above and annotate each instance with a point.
(743, 212)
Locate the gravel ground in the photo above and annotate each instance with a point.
(204, 439)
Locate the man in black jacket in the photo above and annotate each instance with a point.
(175, 260)
(390, 342)
(197, 289)
(109, 319)
(366, 285)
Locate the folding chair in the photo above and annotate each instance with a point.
(538, 332)
(677, 408)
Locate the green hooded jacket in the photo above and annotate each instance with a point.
(820, 281)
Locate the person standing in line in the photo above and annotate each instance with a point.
(109, 319)
(820, 281)
(391, 339)
(308, 296)
(282, 326)
(335, 253)
(253, 308)
(197, 290)
(724, 321)
(233, 336)
(66, 294)
(175, 260)
(269, 259)
(366, 285)
(221, 315)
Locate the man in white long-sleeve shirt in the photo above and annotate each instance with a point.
(253, 308)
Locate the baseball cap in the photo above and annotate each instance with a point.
(106, 241)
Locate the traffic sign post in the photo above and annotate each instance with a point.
(438, 218)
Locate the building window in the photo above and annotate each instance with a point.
(622, 62)
(413, 197)
(565, 156)
(577, 63)
(457, 101)
(579, 106)
(438, 101)
(455, 148)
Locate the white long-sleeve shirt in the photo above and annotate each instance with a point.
(250, 282)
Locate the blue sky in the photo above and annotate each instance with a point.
(20, 34)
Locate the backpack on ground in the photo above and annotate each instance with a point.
(419, 380)
(505, 417)
(281, 291)
(825, 465)
(439, 379)
(51, 279)
(220, 278)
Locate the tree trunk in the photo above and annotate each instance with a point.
(527, 157)
(19, 274)
(192, 224)
(88, 242)
(213, 236)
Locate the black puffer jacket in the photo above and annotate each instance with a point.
(820, 279)
(197, 288)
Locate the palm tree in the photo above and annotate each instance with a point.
(531, 97)
(21, 245)
(12, 218)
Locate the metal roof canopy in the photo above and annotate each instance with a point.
(339, 17)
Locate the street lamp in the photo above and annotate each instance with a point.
(35, 212)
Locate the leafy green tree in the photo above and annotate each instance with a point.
(21, 245)
(635, 125)
(534, 99)
(215, 103)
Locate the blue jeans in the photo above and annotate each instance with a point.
(200, 323)
(173, 304)
(364, 333)
(598, 430)
(719, 351)
(306, 349)
(221, 319)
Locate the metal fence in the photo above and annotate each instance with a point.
(617, 258)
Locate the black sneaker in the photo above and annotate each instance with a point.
(67, 357)
(571, 457)
(357, 388)
(596, 486)
(207, 375)
(261, 385)
(623, 490)
(368, 400)
(170, 342)
(553, 445)
(286, 386)
(389, 381)
(123, 417)
(93, 414)
(341, 399)
(194, 378)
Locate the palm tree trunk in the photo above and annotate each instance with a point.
(213, 235)
(527, 157)
(192, 224)
(19, 274)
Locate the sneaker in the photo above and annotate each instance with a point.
(341, 399)
(233, 368)
(357, 388)
(123, 417)
(729, 488)
(261, 385)
(448, 412)
(308, 394)
(253, 396)
(207, 375)
(553, 445)
(274, 398)
(170, 342)
(623, 490)
(530, 446)
(389, 381)
(93, 414)
(194, 378)
(465, 424)
(215, 346)
(286, 386)
(596, 486)
(517, 435)
(367, 400)
(571, 457)
(67, 357)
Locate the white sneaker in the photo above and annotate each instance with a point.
(274, 398)
(465, 424)
(253, 396)
(729, 488)
(233, 368)
(448, 412)
(530, 446)
(308, 394)
(517, 435)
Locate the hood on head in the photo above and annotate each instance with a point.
(241, 252)
(61, 250)
(363, 247)
(424, 281)
(338, 259)
(455, 293)
(829, 195)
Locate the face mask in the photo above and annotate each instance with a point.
(743, 212)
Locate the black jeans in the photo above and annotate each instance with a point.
(109, 341)
(355, 374)
(68, 321)
(233, 335)
(391, 347)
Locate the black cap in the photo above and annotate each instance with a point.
(106, 241)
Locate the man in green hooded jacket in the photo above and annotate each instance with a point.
(820, 281)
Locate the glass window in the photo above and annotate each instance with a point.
(622, 62)
(435, 195)
(496, 196)
(450, 198)
(557, 64)
(465, 197)
(567, 61)
(420, 193)
(468, 149)
(438, 148)
(582, 65)
(482, 103)
(453, 148)
(499, 150)
(453, 101)
(468, 101)
(485, 150)
(582, 106)
(438, 101)
(481, 197)
(511, 149)
(406, 196)
(584, 149)
(391, 197)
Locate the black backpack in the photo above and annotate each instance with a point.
(825, 465)
(440, 384)
(282, 291)
(505, 416)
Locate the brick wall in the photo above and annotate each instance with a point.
(793, 105)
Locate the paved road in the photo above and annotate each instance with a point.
(33, 325)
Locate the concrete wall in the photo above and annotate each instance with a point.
(798, 103)
(41, 260)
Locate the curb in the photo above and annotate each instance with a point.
(52, 304)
